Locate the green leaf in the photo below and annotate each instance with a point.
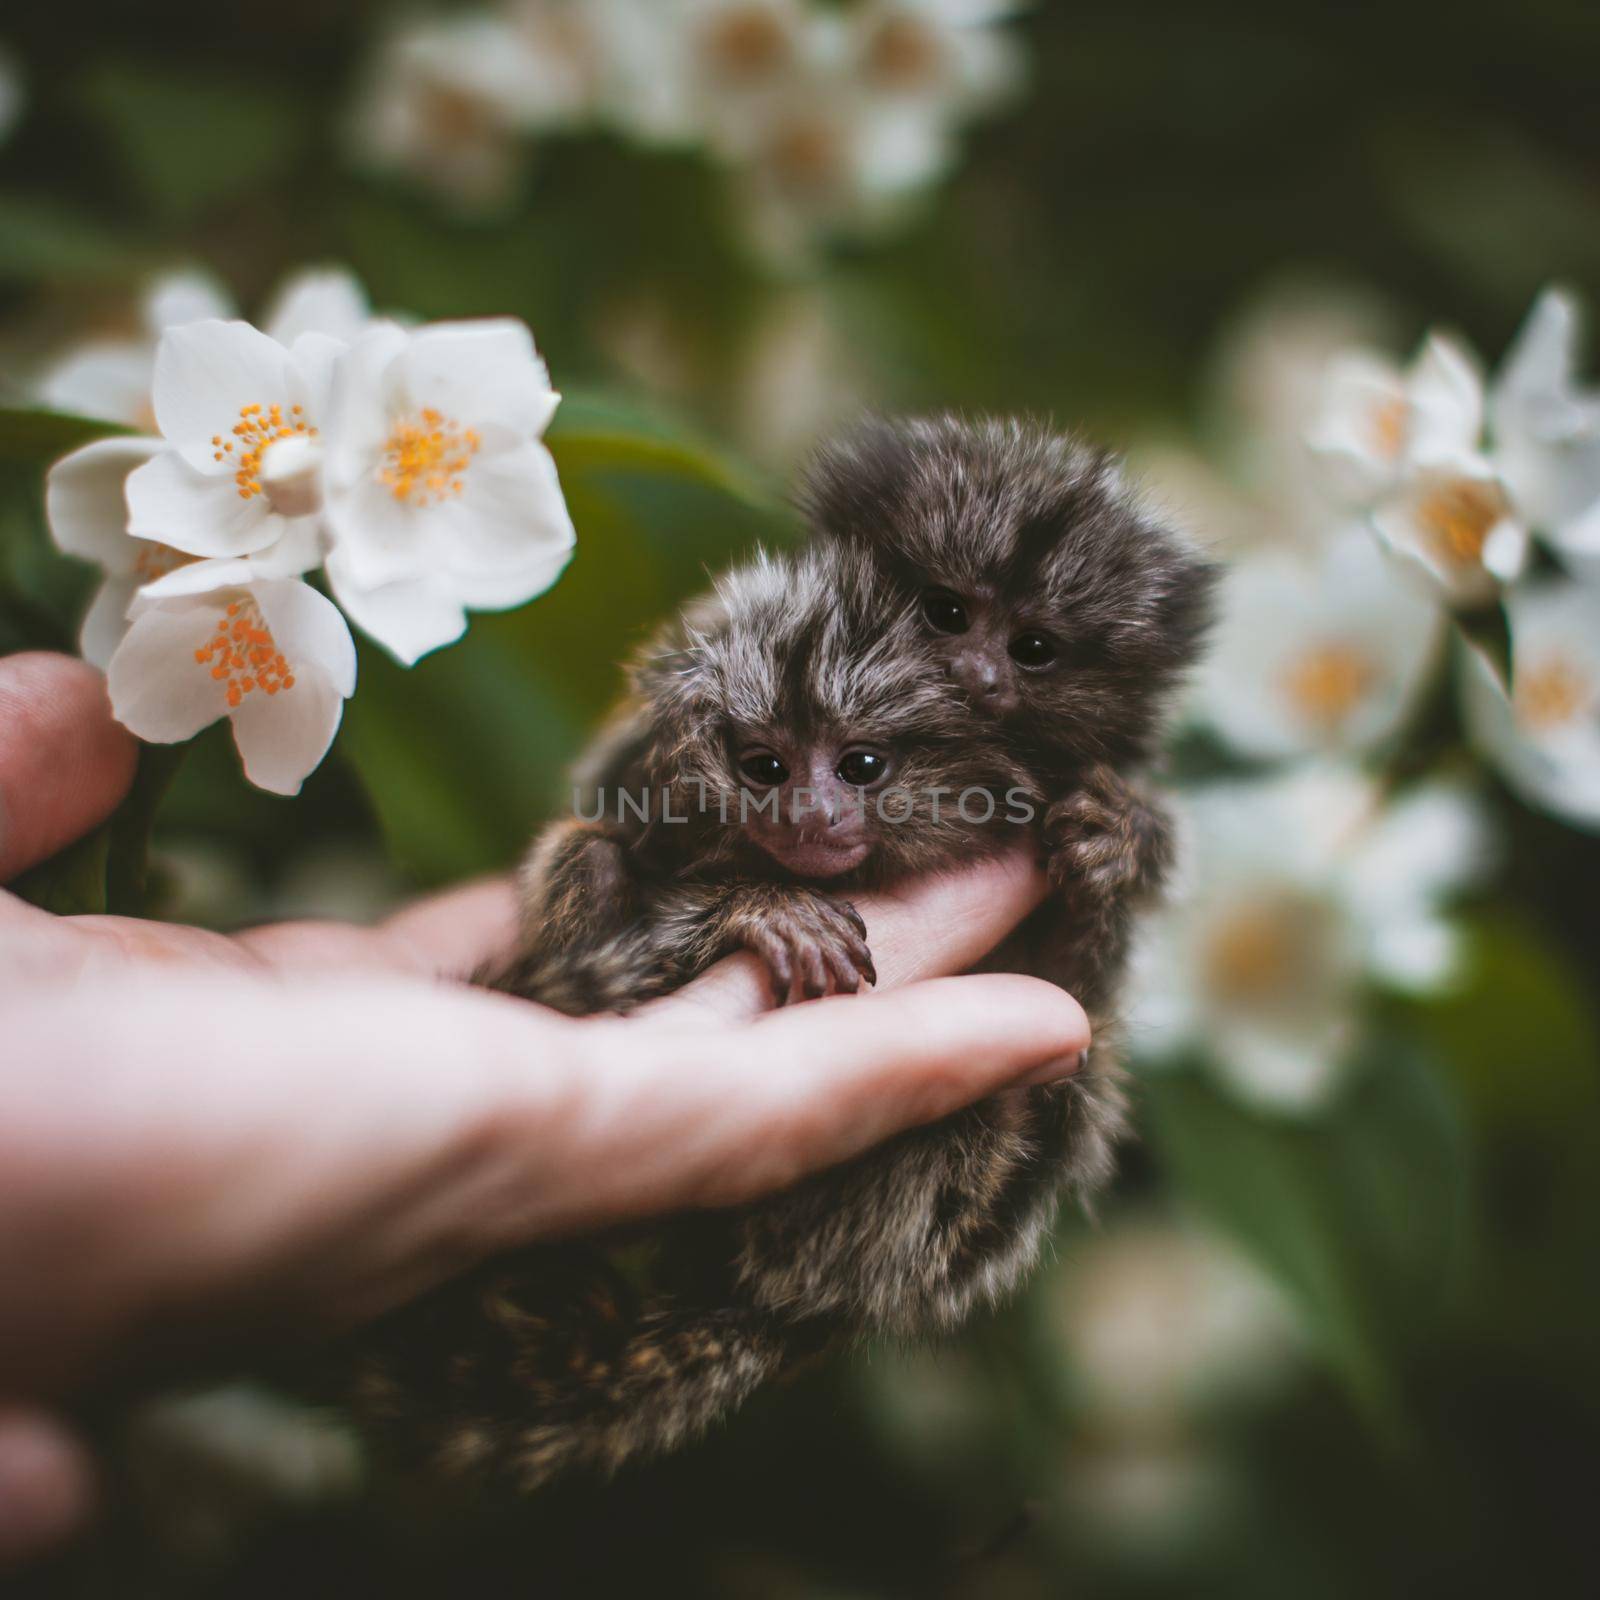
(593, 433)
(43, 436)
(44, 239)
(1362, 1216)
(190, 138)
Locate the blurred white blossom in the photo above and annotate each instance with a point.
(449, 100)
(1547, 431)
(1161, 1322)
(441, 495)
(1317, 650)
(828, 119)
(112, 378)
(1301, 889)
(271, 655)
(1544, 734)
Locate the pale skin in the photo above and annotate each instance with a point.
(212, 1145)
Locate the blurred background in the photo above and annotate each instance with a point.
(1337, 1329)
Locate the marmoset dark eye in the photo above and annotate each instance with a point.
(863, 768)
(1033, 649)
(763, 769)
(944, 611)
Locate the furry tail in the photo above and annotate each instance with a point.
(548, 1364)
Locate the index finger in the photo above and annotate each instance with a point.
(933, 927)
(65, 763)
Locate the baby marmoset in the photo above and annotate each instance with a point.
(983, 610)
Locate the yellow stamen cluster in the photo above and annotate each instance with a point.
(424, 461)
(1551, 693)
(806, 154)
(903, 54)
(157, 560)
(257, 428)
(1263, 953)
(1327, 682)
(243, 654)
(1390, 423)
(1458, 516)
(747, 44)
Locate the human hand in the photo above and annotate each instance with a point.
(214, 1144)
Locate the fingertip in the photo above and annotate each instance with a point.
(65, 762)
(46, 1486)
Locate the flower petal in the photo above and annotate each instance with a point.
(282, 738)
(206, 373)
(510, 513)
(480, 373)
(328, 301)
(205, 516)
(309, 631)
(107, 379)
(85, 504)
(408, 619)
(106, 621)
(158, 690)
(190, 296)
(1446, 401)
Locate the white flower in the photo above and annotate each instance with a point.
(1302, 888)
(212, 640)
(1317, 651)
(1544, 735)
(1378, 422)
(1162, 1322)
(448, 99)
(88, 518)
(948, 56)
(243, 415)
(1547, 430)
(441, 496)
(1454, 521)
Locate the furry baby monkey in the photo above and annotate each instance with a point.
(818, 688)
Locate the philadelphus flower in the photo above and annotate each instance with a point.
(1547, 431)
(448, 99)
(1317, 651)
(242, 414)
(1302, 888)
(1544, 735)
(441, 496)
(212, 640)
(948, 55)
(1412, 442)
(85, 496)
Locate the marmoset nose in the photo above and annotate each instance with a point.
(977, 674)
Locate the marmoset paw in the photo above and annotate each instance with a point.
(1096, 837)
(812, 945)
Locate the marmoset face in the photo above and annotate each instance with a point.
(999, 651)
(808, 799)
(1057, 604)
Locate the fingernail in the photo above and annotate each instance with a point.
(1058, 1069)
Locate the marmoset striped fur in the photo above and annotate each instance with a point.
(983, 629)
